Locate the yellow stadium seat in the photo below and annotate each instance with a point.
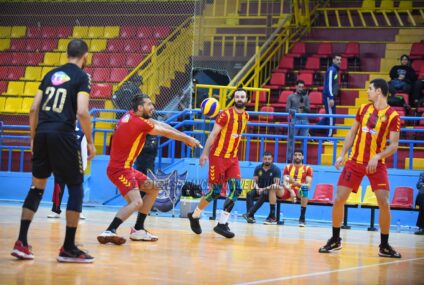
(4, 44)
(63, 58)
(369, 198)
(63, 44)
(2, 102)
(5, 31)
(31, 88)
(45, 70)
(80, 32)
(368, 4)
(18, 32)
(387, 5)
(26, 105)
(15, 88)
(95, 32)
(51, 58)
(97, 45)
(13, 105)
(405, 5)
(32, 73)
(89, 58)
(355, 198)
(111, 32)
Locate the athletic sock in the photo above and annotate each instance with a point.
(115, 224)
(69, 243)
(23, 231)
(139, 224)
(224, 217)
(336, 233)
(384, 239)
(272, 211)
(197, 212)
(302, 213)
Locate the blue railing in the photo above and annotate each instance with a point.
(186, 121)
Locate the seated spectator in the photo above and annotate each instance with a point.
(297, 180)
(402, 76)
(123, 96)
(299, 101)
(265, 175)
(419, 201)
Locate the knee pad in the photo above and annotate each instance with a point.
(304, 190)
(214, 193)
(235, 189)
(33, 198)
(76, 194)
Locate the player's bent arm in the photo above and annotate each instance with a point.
(160, 130)
(392, 147)
(350, 137)
(308, 181)
(33, 113)
(166, 126)
(212, 136)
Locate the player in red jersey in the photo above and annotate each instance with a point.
(375, 123)
(221, 148)
(127, 143)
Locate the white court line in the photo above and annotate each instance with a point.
(327, 272)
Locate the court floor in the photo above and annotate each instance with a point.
(258, 254)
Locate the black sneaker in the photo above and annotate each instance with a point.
(302, 223)
(224, 230)
(270, 221)
(249, 219)
(419, 232)
(388, 251)
(332, 245)
(194, 224)
(74, 256)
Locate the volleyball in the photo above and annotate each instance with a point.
(210, 107)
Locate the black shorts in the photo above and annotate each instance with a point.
(57, 152)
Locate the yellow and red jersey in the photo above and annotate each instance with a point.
(298, 173)
(128, 140)
(233, 125)
(374, 130)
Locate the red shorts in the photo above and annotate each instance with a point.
(353, 173)
(126, 179)
(221, 169)
(286, 194)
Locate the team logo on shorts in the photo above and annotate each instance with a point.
(58, 78)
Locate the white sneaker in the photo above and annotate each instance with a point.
(142, 235)
(108, 236)
(82, 217)
(53, 216)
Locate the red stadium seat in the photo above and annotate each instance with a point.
(266, 118)
(417, 51)
(100, 60)
(3, 86)
(417, 65)
(161, 32)
(34, 32)
(34, 58)
(33, 44)
(315, 99)
(128, 32)
(56, 32)
(307, 78)
(5, 59)
(282, 99)
(132, 45)
(18, 44)
(101, 91)
(312, 63)
(325, 49)
(15, 72)
(298, 49)
(286, 63)
(144, 32)
(48, 44)
(100, 74)
(117, 60)
(323, 194)
(351, 56)
(134, 59)
(262, 99)
(351, 49)
(403, 198)
(147, 45)
(4, 73)
(115, 45)
(277, 81)
(118, 74)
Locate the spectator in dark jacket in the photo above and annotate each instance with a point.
(402, 76)
(123, 96)
(419, 201)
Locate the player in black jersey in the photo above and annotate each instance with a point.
(63, 94)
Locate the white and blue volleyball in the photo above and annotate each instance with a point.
(210, 107)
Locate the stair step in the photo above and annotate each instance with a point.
(397, 46)
(408, 38)
(418, 163)
(417, 32)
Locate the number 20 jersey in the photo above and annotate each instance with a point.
(60, 88)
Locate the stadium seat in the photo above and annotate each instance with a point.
(2, 103)
(80, 32)
(3, 86)
(111, 32)
(4, 73)
(355, 198)
(63, 44)
(26, 105)
(146, 46)
(266, 118)
(312, 64)
(134, 59)
(417, 65)
(97, 45)
(45, 70)
(325, 51)
(277, 81)
(115, 45)
(352, 53)
(261, 97)
(95, 32)
(101, 91)
(417, 51)
(34, 58)
(16, 72)
(32, 73)
(282, 99)
(117, 60)
(33, 45)
(128, 32)
(286, 63)
(403, 197)
(161, 32)
(33, 32)
(13, 105)
(19, 58)
(5, 31)
(118, 74)
(63, 58)
(369, 198)
(307, 78)
(18, 31)
(315, 99)
(100, 74)
(48, 44)
(323, 194)
(48, 32)
(101, 60)
(51, 59)
(132, 45)
(4, 44)
(18, 44)
(31, 88)
(144, 32)
(5, 59)
(15, 88)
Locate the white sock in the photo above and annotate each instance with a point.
(197, 213)
(224, 217)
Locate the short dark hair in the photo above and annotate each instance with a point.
(382, 84)
(77, 48)
(267, 153)
(138, 99)
(300, 81)
(336, 54)
(404, 56)
(298, 150)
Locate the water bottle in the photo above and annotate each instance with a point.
(398, 226)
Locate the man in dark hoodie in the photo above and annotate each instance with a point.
(402, 76)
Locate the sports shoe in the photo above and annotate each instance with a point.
(53, 216)
(21, 251)
(74, 256)
(270, 221)
(142, 235)
(108, 236)
(249, 219)
(302, 223)
(332, 245)
(224, 230)
(419, 232)
(194, 224)
(388, 251)
(82, 217)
